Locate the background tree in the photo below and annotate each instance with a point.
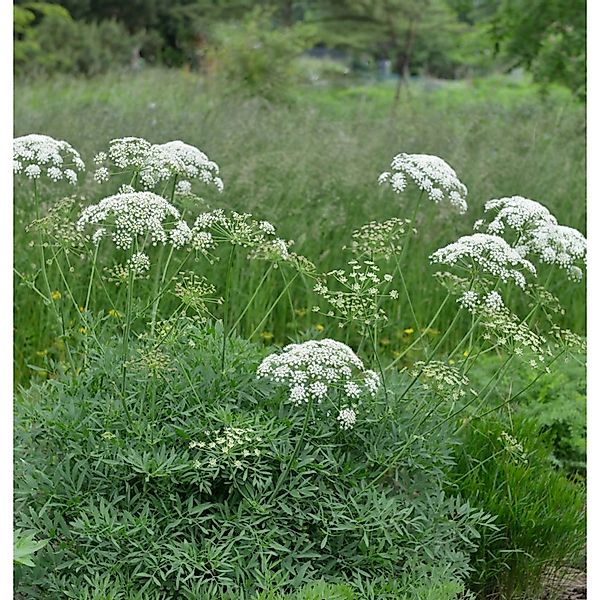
(547, 37)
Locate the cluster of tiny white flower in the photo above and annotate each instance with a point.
(511, 332)
(471, 300)
(559, 245)
(35, 155)
(431, 174)
(239, 229)
(441, 378)
(273, 251)
(134, 214)
(183, 187)
(346, 418)
(518, 213)
(138, 264)
(128, 153)
(538, 233)
(488, 252)
(230, 446)
(156, 163)
(358, 300)
(380, 239)
(195, 291)
(311, 369)
(178, 158)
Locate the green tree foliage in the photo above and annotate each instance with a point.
(253, 58)
(25, 16)
(547, 37)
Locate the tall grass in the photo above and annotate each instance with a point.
(311, 169)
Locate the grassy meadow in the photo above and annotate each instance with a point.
(168, 444)
(311, 169)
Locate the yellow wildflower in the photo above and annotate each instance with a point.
(466, 353)
(114, 313)
(55, 295)
(82, 330)
(409, 331)
(319, 327)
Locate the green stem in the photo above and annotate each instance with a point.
(423, 333)
(249, 303)
(125, 347)
(266, 316)
(226, 305)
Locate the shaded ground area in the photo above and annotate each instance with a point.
(568, 584)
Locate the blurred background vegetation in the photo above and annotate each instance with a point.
(303, 105)
(264, 44)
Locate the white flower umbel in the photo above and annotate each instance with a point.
(125, 217)
(346, 418)
(37, 155)
(355, 295)
(430, 174)
(127, 153)
(515, 212)
(153, 164)
(559, 245)
(442, 379)
(313, 369)
(239, 229)
(488, 253)
(381, 239)
(177, 158)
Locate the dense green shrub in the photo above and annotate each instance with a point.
(252, 59)
(62, 45)
(540, 513)
(157, 510)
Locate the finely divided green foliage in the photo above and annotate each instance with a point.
(167, 508)
(157, 464)
(311, 169)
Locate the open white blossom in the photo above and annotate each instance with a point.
(489, 253)
(558, 245)
(240, 229)
(139, 263)
(518, 213)
(35, 155)
(355, 295)
(381, 239)
(431, 174)
(312, 369)
(472, 300)
(346, 418)
(124, 217)
(157, 163)
(163, 161)
(127, 153)
(442, 379)
(469, 300)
